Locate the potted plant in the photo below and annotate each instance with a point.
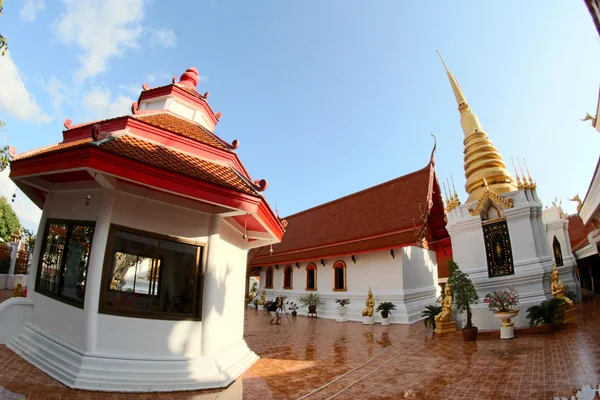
(312, 301)
(342, 303)
(430, 312)
(503, 303)
(464, 295)
(293, 307)
(255, 302)
(548, 314)
(386, 309)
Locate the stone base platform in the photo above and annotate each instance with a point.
(445, 327)
(570, 316)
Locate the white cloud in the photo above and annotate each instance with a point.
(29, 214)
(132, 89)
(14, 97)
(100, 105)
(58, 93)
(101, 29)
(31, 8)
(164, 37)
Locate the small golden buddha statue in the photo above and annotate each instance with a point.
(558, 289)
(446, 314)
(263, 297)
(370, 303)
(18, 291)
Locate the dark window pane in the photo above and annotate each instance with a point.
(177, 277)
(52, 257)
(339, 278)
(76, 262)
(310, 281)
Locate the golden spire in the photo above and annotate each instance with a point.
(456, 199)
(445, 195)
(526, 184)
(482, 159)
(519, 183)
(532, 184)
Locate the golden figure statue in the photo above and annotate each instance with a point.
(263, 297)
(370, 303)
(18, 291)
(446, 314)
(558, 289)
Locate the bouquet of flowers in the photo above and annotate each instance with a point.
(502, 300)
(342, 302)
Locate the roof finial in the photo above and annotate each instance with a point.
(432, 160)
(455, 194)
(190, 78)
(458, 94)
(532, 184)
(445, 194)
(519, 183)
(526, 184)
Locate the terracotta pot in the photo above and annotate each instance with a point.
(294, 313)
(312, 309)
(469, 334)
(547, 327)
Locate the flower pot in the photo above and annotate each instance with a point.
(342, 314)
(469, 334)
(385, 321)
(312, 310)
(294, 313)
(547, 327)
(507, 328)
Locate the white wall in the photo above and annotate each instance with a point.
(409, 281)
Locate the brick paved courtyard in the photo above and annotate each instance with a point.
(322, 359)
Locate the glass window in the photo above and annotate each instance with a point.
(311, 277)
(269, 278)
(339, 277)
(151, 276)
(64, 260)
(287, 277)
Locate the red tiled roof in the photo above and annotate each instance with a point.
(54, 148)
(177, 161)
(382, 216)
(182, 127)
(578, 232)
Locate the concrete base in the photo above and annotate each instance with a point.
(385, 321)
(14, 314)
(507, 332)
(369, 320)
(112, 373)
(569, 316)
(445, 327)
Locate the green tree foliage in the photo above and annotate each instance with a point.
(8, 220)
(4, 159)
(463, 290)
(3, 43)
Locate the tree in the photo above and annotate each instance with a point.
(4, 157)
(3, 43)
(463, 290)
(8, 220)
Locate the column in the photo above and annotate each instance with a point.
(211, 290)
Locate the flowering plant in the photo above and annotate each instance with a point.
(502, 300)
(293, 307)
(342, 302)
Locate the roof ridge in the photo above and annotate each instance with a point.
(359, 192)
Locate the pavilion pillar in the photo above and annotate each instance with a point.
(211, 290)
(94, 272)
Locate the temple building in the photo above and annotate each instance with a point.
(498, 235)
(137, 282)
(390, 238)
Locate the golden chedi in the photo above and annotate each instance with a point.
(482, 159)
(443, 321)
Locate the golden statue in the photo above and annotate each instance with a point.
(446, 314)
(263, 297)
(370, 303)
(558, 289)
(577, 199)
(18, 291)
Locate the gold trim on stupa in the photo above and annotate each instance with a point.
(482, 159)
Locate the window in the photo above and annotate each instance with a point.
(558, 259)
(288, 274)
(339, 276)
(311, 277)
(269, 278)
(64, 260)
(150, 276)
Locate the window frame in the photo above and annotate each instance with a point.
(285, 270)
(197, 306)
(311, 267)
(339, 265)
(268, 285)
(47, 293)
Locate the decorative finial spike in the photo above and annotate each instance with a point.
(458, 94)
(454, 188)
(526, 184)
(532, 184)
(519, 183)
(445, 194)
(432, 160)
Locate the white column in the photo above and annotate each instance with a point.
(14, 250)
(94, 271)
(211, 290)
(37, 250)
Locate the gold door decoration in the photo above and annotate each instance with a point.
(497, 249)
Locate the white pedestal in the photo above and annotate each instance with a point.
(385, 321)
(341, 314)
(369, 320)
(507, 332)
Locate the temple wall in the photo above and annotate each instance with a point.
(409, 280)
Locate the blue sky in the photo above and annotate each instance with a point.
(326, 97)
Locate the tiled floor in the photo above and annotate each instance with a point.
(321, 359)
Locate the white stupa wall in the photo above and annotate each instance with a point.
(85, 349)
(531, 256)
(409, 281)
